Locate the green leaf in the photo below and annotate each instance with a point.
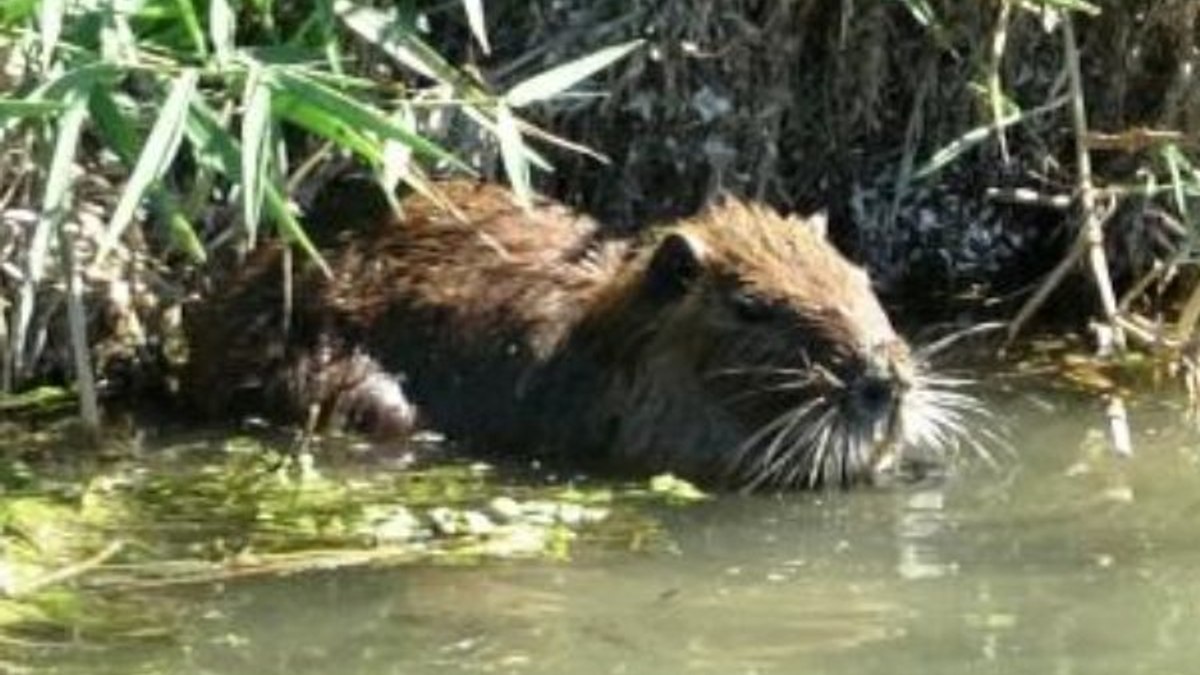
(16, 12)
(56, 199)
(214, 147)
(956, 148)
(1181, 170)
(1071, 5)
(222, 27)
(354, 113)
(183, 235)
(475, 19)
(560, 78)
(55, 202)
(512, 152)
(191, 23)
(50, 23)
(394, 35)
(301, 112)
(121, 136)
(84, 78)
(291, 229)
(23, 108)
(156, 157)
(256, 139)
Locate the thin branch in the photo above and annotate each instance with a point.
(1093, 221)
(67, 573)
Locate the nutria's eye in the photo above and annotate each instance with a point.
(751, 308)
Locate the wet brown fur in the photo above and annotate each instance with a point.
(527, 332)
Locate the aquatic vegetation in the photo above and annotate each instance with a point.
(88, 548)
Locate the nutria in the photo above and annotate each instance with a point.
(736, 348)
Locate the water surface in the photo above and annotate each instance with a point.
(1066, 560)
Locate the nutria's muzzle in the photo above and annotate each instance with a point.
(876, 392)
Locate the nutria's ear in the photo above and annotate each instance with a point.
(677, 261)
(817, 223)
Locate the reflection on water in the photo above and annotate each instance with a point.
(1067, 561)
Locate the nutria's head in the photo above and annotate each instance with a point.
(785, 352)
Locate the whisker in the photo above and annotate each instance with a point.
(795, 385)
(940, 345)
(775, 428)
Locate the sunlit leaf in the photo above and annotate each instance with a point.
(291, 229)
(222, 26)
(55, 202)
(1070, 5)
(211, 143)
(956, 148)
(50, 23)
(475, 18)
(512, 152)
(256, 139)
(21, 108)
(395, 37)
(355, 114)
(120, 135)
(560, 78)
(156, 156)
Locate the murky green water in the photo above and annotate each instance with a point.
(1068, 561)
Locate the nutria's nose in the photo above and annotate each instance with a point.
(874, 395)
(880, 384)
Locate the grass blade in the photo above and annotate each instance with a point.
(355, 114)
(191, 24)
(256, 139)
(50, 23)
(155, 159)
(512, 152)
(560, 78)
(222, 27)
(215, 148)
(120, 135)
(55, 201)
(393, 35)
(475, 19)
(956, 148)
(290, 228)
(15, 108)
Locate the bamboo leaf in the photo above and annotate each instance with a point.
(50, 23)
(393, 35)
(512, 152)
(487, 121)
(355, 114)
(560, 78)
(84, 78)
(55, 202)
(290, 228)
(317, 120)
(956, 148)
(24, 108)
(183, 235)
(475, 19)
(1071, 5)
(256, 139)
(213, 146)
(222, 27)
(191, 23)
(217, 149)
(156, 157)
(121, 136)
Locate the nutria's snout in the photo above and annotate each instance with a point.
(878, 389)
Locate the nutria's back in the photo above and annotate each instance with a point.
(738, 347)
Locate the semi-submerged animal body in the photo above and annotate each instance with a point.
(737, 348)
